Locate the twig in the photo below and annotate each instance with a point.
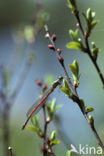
(76, 97)
(10, 151)
(88, 48)
(45, 130)
(45, 135)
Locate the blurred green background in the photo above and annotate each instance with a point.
(73, 126)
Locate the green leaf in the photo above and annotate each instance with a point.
(89, 17)
(74, 34)
(34, 129)
(66, 84)
(72, 4)
(51, 108)
(53, 135)
(58, 107)
(69, 153)
(65, 90)
(54, 142)
(89, 109)
(93, 23)
(74, 45)
(74, 67)
(95, 51)
(35, 120)
(88, 14)
(53, 104)
(93, 14)
(91, 119)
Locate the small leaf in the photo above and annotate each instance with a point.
(58, 107)
(93, 14)
(66, 84)
(69, 153)
(91, 119)
(93, 23)
(72, 4)
(34, 129)
(89, 17)
(54, 142)
(53, 135)
(74, 45)
(89, 109)
(35, 120)
(74, 67)
(95, 51)
(65, 90)
(53, 104)
(74, 34)
(88, 14)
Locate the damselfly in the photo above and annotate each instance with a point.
(36, 108)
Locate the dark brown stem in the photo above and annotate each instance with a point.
(79, 23)
(77, 99)
(94, 62)
(94, 131)
(10, 151)
(45, 135)
(88, 49)
(98, 71)
(45, 131)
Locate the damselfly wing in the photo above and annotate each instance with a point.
(42, 100)
(36, 103)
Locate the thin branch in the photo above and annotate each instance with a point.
(10, 151)
(76, 97)
(45, 130)
(45, 135)
(88, 48)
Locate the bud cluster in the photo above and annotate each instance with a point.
(52, 46)
(40, 84)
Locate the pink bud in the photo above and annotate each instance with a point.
(53, 37)
(59, 50)
(60, 58)
(50, 46)
(44, 87)
(38, 82)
